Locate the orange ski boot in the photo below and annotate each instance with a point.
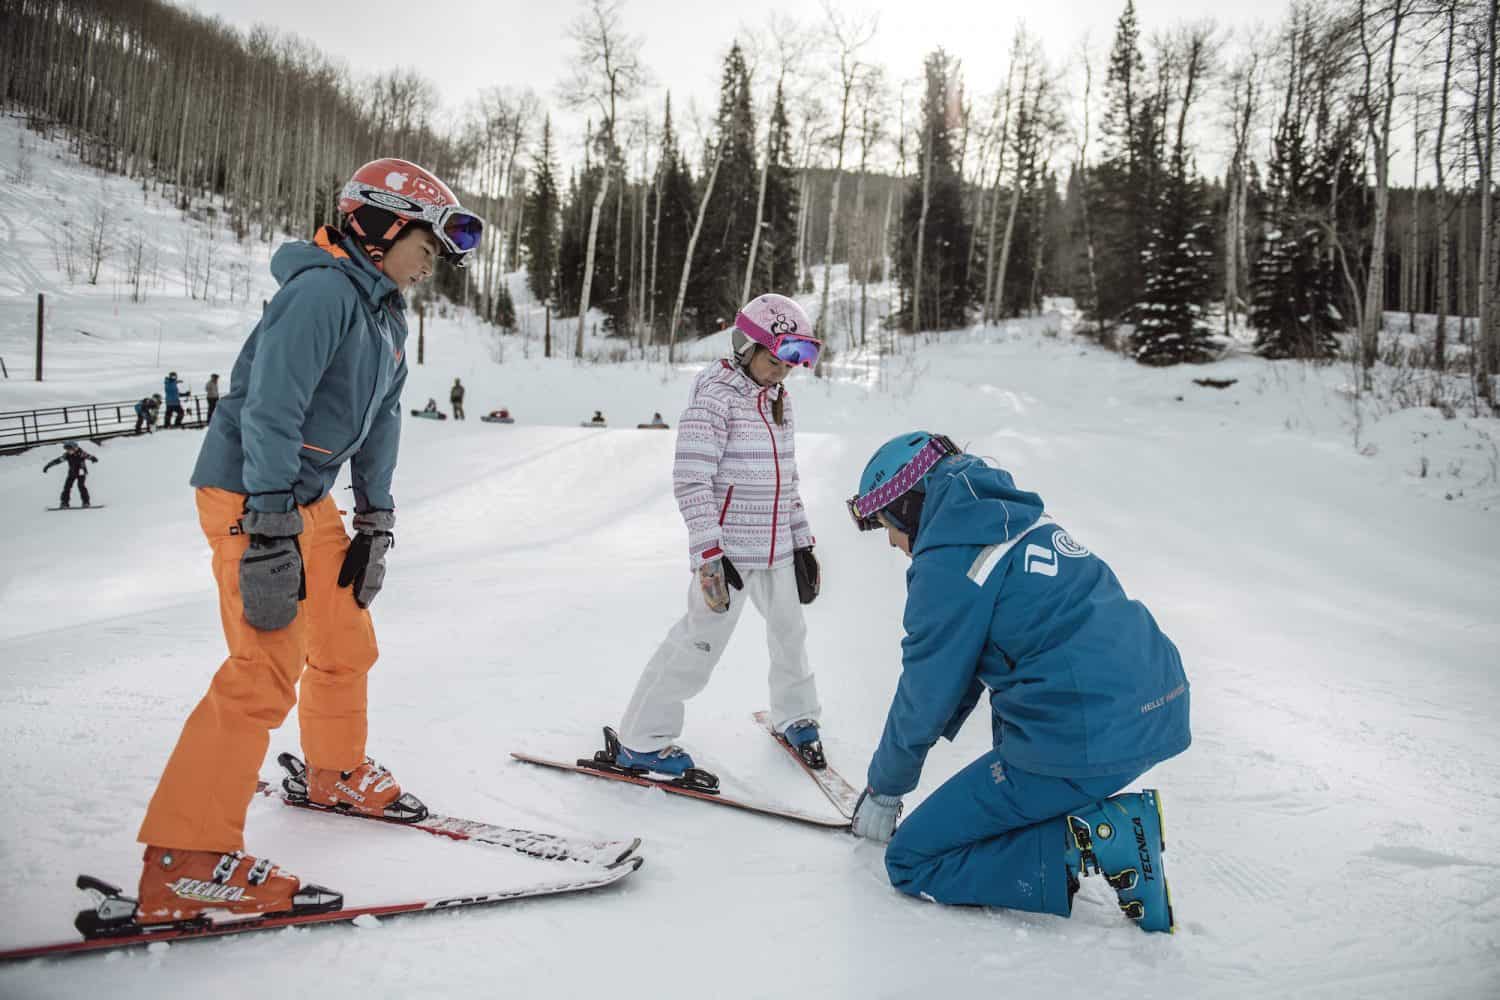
(179, 886)
(368, 790)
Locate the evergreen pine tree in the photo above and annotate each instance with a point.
(729, 219)
(1284, 306)
(572, 246)
(1122, 182)
(776, 259)
(1179, 280)
(674, 187)
(1298, 296)
(946, 293)
(542, 208)
(505, 309)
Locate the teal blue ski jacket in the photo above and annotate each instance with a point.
(1000, 599)
(317, 383)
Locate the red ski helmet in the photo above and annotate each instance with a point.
(385, 195)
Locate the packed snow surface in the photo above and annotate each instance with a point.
(1329, 833)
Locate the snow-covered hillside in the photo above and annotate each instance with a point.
(1336, 614)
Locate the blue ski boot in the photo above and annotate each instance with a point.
(1121, 838)
(802, 736)
(672, 762)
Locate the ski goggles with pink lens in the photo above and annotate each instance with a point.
(457, 229)
(866, 509)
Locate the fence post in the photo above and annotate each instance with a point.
(40, 307)
(421, 332)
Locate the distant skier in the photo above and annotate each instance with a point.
(211, 393)
(317, 383)
(174, 401)
(78, 472)
(431, 406)
(145, 413)
(735, 478)
(1086, 694)
(456, 398)
(597, 419)
(656, 420)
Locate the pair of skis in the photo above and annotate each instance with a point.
(839, 792)
(110, 924)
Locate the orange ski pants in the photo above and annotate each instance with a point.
(201, 799)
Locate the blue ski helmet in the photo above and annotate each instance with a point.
(893, 484)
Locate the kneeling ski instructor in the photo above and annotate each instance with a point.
(1086, 694)
(317, 383)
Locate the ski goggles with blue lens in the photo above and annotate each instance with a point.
(866, 509)
(794, 350)
(456, 228)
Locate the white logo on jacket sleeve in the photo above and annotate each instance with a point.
(1065, 546)
(1040, 559)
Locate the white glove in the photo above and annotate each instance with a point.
(875, 816)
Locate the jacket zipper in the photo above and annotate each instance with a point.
(725, 509)
(775, 457)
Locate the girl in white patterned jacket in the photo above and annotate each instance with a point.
(735, 478)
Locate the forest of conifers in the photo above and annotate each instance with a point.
(1305, 181)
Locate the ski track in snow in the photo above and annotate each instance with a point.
(1326, 833)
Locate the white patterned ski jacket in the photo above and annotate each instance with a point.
(735, 475)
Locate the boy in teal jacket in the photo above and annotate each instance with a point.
(1086, 693)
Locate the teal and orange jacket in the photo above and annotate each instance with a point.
(317, 383)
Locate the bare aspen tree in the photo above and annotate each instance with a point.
(1440, 340)
(916, 291)
(1485, 143)
(1244, 97)
(608, 71)
(871, 100)
(1003, 102)
(687, 261)
(790, 42)
(1085, 195)
(1414, 233)
(1023, 139)
(1377, 108)
(811, 111)
(849, 36)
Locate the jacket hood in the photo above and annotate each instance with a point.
(331, 250)
(972, 503)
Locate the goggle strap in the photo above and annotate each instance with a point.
(935, 450)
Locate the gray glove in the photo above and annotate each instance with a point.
(875, 816)
(271, 579)
(364, 563)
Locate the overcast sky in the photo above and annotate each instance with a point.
(466, 45)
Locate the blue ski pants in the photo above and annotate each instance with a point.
(994, 835)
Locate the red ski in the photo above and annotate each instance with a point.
(843, 795)
(597, 770)
(111, 924)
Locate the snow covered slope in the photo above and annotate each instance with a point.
(1327, 833)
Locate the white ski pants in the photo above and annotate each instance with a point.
(687, 657)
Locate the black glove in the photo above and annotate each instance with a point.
(732, 575)
(809, 576)
(271, 577)
(364, 563)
